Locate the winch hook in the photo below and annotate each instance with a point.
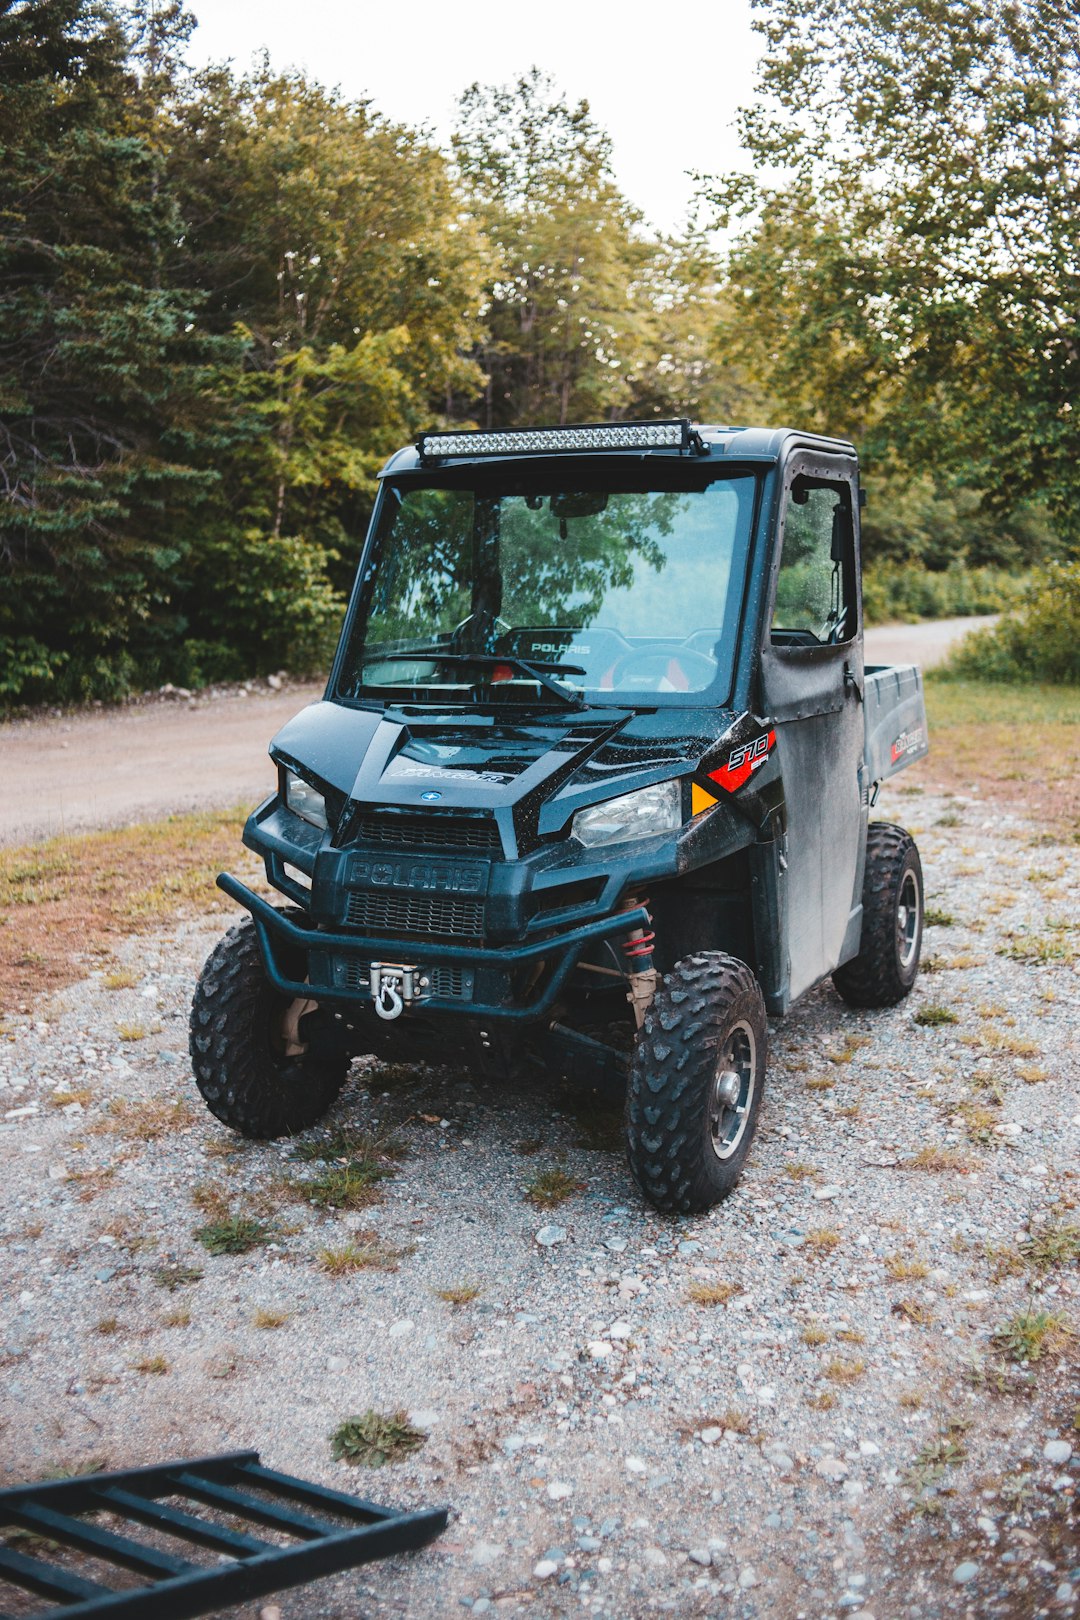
(389, 1004)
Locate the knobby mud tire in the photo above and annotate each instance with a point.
(879, 976)
(244, 1080)
(672, 1073)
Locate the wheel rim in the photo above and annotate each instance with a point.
(731, 1093)
(908, 920)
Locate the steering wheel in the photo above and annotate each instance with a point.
(686, 657)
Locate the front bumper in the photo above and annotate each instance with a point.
(559, 951)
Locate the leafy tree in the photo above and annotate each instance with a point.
(327, 240)
(97, 360)
(583, 309)
(913, 275)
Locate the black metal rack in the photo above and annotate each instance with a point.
(246, 1566)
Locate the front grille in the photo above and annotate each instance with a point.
(452, 983)
(421, 914)
(428, 832)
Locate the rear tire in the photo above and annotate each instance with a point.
(887, 965)
(696, 1081)
(236, 1051)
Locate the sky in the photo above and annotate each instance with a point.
(664, 81)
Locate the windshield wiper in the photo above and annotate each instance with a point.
(538, 672)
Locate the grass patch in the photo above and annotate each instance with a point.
(821, 1082)
(148, 1118)
(712, 1293)
(180, 1318)
(172, 1277)
(364, 1252)
(235, 1234)
(939, 1160)
(902, 1268)
(356, 1163)
(798, 1170)
(934, 1015)
(983, 730)
(108, 1326)
(1031, 1074)
(938, 917)
(845, 1053)
(375, 1438)
(64, 1099)
(823, 1400)
(1029, 1335)
(841, 1370)
(913, 1311)
(814, 1334)
(269, 1320)
(71, 898)
(120, 979)
(132, 1032)
(822, 1239)
(458, 1293)
(552, 1187)
(1057, 1245)
(346, 1186)
(151, 1366)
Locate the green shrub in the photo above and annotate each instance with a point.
(902, 593)
(1039, 640)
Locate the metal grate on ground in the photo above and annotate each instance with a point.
(116, 1573)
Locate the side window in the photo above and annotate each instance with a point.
(815, 588)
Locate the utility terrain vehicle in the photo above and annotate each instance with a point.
(591, 785)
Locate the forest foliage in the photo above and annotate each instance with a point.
(225, 297)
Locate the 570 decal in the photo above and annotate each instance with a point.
(743, 761)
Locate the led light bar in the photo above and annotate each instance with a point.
(673, 435)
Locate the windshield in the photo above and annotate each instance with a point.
(486, 594)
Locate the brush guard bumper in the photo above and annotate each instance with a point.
(279, 934)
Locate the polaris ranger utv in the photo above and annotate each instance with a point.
(590, 784)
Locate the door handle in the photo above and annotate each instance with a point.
(851, 683)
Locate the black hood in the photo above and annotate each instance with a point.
(543, 766)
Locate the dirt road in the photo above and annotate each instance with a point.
(115, 766)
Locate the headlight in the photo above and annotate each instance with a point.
(304, 800)
(650, 810)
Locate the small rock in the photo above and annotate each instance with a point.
(965, 1572)
(599, 1348)
(548, 1236)
(615, 1244)
(655, 1557)
(400, 1330)
(748, 1576)
(634, 1465)
(486, 1552)
(336, 1363)
(778, 1457)
(544, 1569)
(831, 1191)
(619, 1330)
(558, 1490)
(1057, 1451)
(869, 1448)
(1064, 1592)
(831, 1467)
(700, 1555)
(482, 1605)
(712, 1435)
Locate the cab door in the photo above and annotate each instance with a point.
(812, 686)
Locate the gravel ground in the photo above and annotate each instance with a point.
(843, 1436)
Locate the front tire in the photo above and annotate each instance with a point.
(237, 1052)
(696, 1081)
(887, 965)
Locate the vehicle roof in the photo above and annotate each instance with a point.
(762, 444)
